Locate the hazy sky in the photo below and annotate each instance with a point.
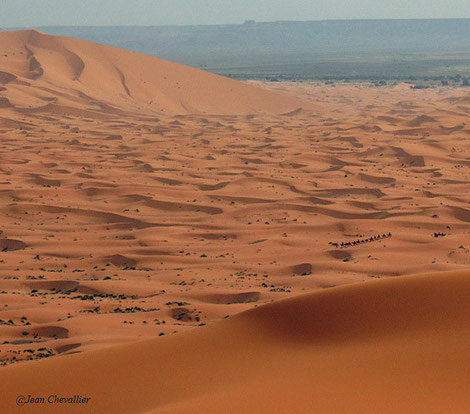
(178, 12)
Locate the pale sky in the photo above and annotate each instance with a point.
(18, 13)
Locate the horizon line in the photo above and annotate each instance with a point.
(248, 21)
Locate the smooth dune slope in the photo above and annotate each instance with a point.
(390, 346)
(75, 77)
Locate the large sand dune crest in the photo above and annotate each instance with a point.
(388, 346)
(36, 68)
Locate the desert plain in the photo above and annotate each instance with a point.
(175, 241)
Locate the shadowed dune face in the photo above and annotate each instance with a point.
(383, 346)
(120, 221)
(229, 298)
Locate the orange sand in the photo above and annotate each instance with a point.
(388, 346)
(140, 198)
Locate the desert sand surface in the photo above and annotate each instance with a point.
(141, 198)
(398, 345)
(65, 76)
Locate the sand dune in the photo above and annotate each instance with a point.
(396, 345)
(140, 199)
(87, 79)
(110, 223)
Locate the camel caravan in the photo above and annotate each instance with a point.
(361, 241)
